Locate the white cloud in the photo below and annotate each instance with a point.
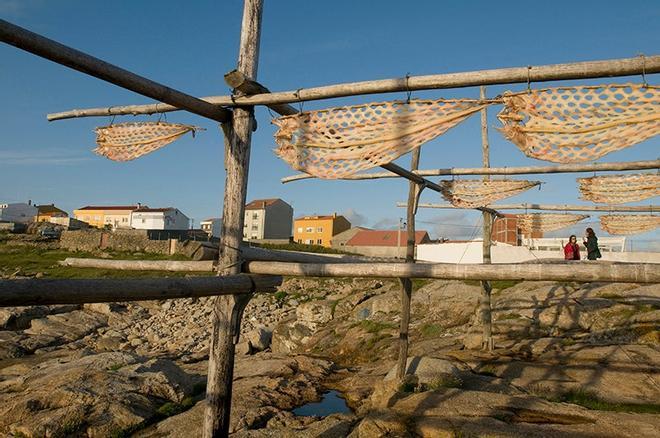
(51, 157)
(356, 219)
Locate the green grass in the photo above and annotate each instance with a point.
(32, 259)
(301, 247)
(170, 408)
(374, 327)
(590, 400)
(430, 330)
(116, 366)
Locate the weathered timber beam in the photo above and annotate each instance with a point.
(411, 176)
(140, 265)
(77, 60)
(239, 81)
(247, 253)
(568, 271)
(567, 207)
(526, 170)
(242, 83)
(515, 75)
(32, 292)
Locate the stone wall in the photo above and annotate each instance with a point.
(118, 240)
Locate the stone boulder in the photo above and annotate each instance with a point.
(95, 395)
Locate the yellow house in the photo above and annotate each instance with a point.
(318, 230)
(117, 216)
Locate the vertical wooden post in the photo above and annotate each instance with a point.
(485, 305)
(406, 283)
(228, 310)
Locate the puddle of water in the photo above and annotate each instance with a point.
(331, 403)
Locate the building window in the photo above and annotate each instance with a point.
(300, 229)
(319, 242)
(255, 215)
(144, 220)
(309, 229)
(254, 237)
(319, 229)
(299, 240)
(255, 227)
(310, 241)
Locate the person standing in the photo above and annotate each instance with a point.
(591, 243)
(572, 249)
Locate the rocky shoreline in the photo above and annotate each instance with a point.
(138, 369)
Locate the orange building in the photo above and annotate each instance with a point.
(46, 212)
(318, 230)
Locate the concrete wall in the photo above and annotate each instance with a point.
(278, 223)
(160, 220)
(501, 253)
(377, 251)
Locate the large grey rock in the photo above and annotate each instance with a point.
(260, 338)
(97, 395)
(427, 369)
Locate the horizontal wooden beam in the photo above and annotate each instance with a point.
(515, 75)
(247, 253)
(245, 85)
(524, 170)
(32, 292)
(77, 60)
(552, 207)
(562, 271)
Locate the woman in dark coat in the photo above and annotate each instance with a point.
(591, 242)
(572, 249)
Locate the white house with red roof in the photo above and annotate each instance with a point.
(168, 218)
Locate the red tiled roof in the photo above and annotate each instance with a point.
(110, 207)
(153, 210)
(258, 204)
(384, 238)
(315, 216)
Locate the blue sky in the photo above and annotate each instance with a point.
(190, 45)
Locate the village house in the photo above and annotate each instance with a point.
(169, 218)
(383, 243)
(18, 212)
(268, 219)
(100, 216)
(211, 226)
(46, 212)
(319, 230)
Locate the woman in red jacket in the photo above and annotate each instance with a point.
(572, 249)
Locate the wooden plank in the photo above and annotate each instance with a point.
(77, 60)
(553, 207)
(406, 283)
(485, 302)
(33, 292)
(516, 75)
(580, 271)
(524, 170)
(228, 309)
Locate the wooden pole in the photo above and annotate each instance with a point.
(229, 309)
(552, 207)
(406, 283)
(485, 304)
(34, 292)
(555, 271)
(77, 60)
(526, 170)
(515, 75)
